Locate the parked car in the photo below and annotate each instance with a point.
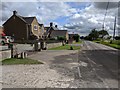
(6, 40)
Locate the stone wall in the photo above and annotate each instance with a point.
(5, 54)
(53, 45)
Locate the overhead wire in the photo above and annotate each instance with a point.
(103, 26)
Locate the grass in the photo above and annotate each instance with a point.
(14, 61)
(114, 44)
(78, 42)
(66, 47)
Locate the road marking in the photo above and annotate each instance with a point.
(96, 73)
(79, 72)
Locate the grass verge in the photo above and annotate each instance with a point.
(114, 44)
(66, 47)
(14, 61)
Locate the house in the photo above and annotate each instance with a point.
(2, 31)
(52, 32)
(20, 27)
(42, 31)
(72, 38)
(59, 33)
(49, 29)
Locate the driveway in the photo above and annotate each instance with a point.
(56, 72)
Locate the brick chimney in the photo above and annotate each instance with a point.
(14, 12)
(56, 26)
(51, 24)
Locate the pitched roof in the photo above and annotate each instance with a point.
(29, 20)
(46, 28)
(41, 25)
(54, 28)
(56, 33)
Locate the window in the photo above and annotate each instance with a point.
(35, 27)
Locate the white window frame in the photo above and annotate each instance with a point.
(36, 27)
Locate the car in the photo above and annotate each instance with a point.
(6, 40)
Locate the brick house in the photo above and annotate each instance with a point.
(20, 27)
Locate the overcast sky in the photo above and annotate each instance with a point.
(77, 17)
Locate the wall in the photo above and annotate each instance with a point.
(35, 32)
(5, 54)
(15, 26)
(53, 45)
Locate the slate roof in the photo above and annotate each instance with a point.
(41, 25)
(56, 33)
(54, 28)
(29, 20)
(26, 19)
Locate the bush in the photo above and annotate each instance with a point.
(71, 48)
(61, 38)
(76, 38)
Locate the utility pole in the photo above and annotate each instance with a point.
(115, 21)
(114, 28)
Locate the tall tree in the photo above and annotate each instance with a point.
(102, 33)
(93, 34)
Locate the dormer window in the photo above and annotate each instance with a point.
(35, 27)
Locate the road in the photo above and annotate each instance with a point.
(93, 66)
(98, 66)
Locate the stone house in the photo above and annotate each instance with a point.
(54, 32)
(50, 29)
(20, 27)
(59, 33)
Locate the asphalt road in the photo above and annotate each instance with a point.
(98, 66)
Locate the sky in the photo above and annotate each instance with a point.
(76, 17)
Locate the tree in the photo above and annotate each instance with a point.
(117, 37)
(93, 35)
(76, 38)
(103, 33)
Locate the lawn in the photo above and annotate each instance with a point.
(66, 47)
(14, 61)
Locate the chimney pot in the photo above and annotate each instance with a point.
(14, 12)
(56, 26)
(51, 24)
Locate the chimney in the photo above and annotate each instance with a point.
(56, 26)
(14, 12)
(51, 24)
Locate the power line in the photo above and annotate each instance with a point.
(105, 15)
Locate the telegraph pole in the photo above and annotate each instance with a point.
(115, 21)
(114, 28)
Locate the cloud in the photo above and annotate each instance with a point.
(44, 11)
(91, 17)
(81, 19)
(103, 5)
